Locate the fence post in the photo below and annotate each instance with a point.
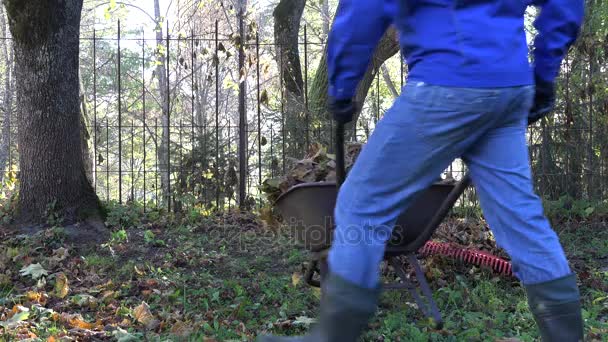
(156, 160)
(107, 159)
(143, 99)
(307, 129)
(119, 121)
(168, 124)
(217, 117)
(257, 59)
(192, 103)
(132, 161)
(242, 112)
(94, 111)
(283, 137)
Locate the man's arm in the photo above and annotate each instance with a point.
(357, 29)
(558, 26)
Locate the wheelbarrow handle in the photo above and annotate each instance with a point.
(340, 163)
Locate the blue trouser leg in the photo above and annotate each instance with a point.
(500, 170)
(425, 130)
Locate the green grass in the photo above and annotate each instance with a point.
(204, 285)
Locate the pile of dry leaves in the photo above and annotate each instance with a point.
(317, 166)
(468, 233)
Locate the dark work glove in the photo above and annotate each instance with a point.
(342, 111)
(544, 100)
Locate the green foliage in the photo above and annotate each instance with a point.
(470, 211)
(567, 208)
(149, 236)
(123, 216)
(150, 239)
(119, 236)
(9, 190)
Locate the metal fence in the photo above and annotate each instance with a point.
(210, 130)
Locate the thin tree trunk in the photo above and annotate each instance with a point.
(325, 17)
(389, 83)
(52, 173)
(242, 149)
(8, 100)
(85, 123)
(162, 154)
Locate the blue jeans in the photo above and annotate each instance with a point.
(424, 131)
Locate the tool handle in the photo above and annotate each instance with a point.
(340, 167)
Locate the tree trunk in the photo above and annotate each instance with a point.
(242, 149)
(8, 100)
(162, 154)
(52, 173)
(389, 83)
(288, 15)
(325, 17)
(85, 135)
(318, 93)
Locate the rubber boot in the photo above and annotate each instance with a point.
(344, 314)
(557, 310)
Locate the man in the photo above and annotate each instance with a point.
(470, 94)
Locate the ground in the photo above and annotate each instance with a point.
(231, 277)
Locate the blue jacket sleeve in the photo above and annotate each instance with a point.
(357, 29)
(558, 26)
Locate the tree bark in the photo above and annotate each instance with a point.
(318, 93)
(52, 173)
(287, 16)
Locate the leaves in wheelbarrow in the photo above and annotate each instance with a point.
(316, 166)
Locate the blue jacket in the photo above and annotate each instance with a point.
(462, 43)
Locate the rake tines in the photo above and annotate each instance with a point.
(469, 256)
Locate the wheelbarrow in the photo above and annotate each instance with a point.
(308, 211)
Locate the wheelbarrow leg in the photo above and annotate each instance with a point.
(310, 273)
(323, 268)
(318, 265)
(425, 300)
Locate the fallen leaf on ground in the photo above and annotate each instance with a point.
(61, 286)
(122, 335)
(181, 329)
(60, 254)
(295, 279)
(75, 321)
(15, 319)
(144, 316)
(34, 270)
(108, 295)
(37, 297)
(84, 300)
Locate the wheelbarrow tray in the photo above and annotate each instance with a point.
(308, 212)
